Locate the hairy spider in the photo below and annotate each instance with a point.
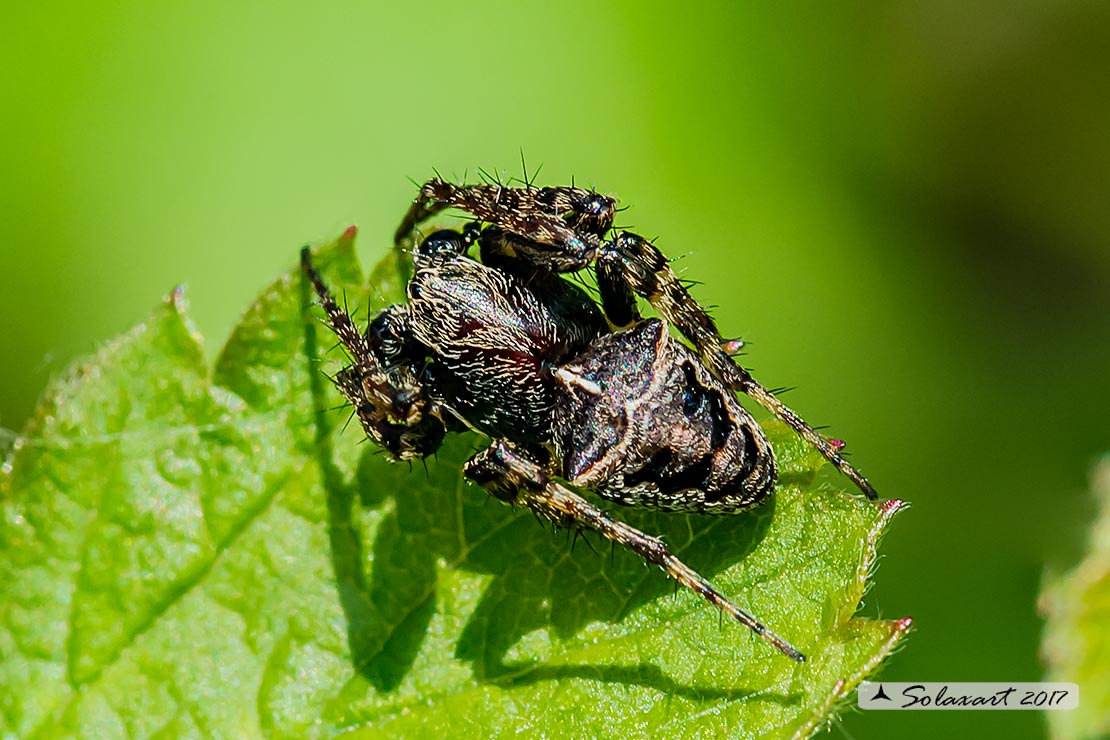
(568, 390)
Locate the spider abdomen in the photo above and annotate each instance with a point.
(640, 420)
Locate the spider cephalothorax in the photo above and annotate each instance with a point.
(568, 390)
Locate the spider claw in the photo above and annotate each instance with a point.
(733, 346)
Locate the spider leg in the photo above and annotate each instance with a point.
(557, 227)
(643, 269)
(617, 299)
(338, 319)
(546, 248)
(509, 475)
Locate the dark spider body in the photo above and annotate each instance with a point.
(528, 356)
(596, 396)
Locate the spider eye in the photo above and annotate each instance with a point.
(382, 330)
(471, 232)
(443, 244)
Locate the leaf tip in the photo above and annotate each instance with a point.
(176, 299)
(892, 506)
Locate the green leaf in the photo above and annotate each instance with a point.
(1076, 647)
(186, 553)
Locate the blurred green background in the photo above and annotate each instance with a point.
(904, 206)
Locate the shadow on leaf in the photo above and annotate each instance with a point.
(546, 583)
(539, 580)
(646, 675)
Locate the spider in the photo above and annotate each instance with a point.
(574, 395)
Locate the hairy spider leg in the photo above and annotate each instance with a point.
(339, 320)
(560, 223)
(500, 245)
(633, 261)
(645, 269)
(510, 476)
